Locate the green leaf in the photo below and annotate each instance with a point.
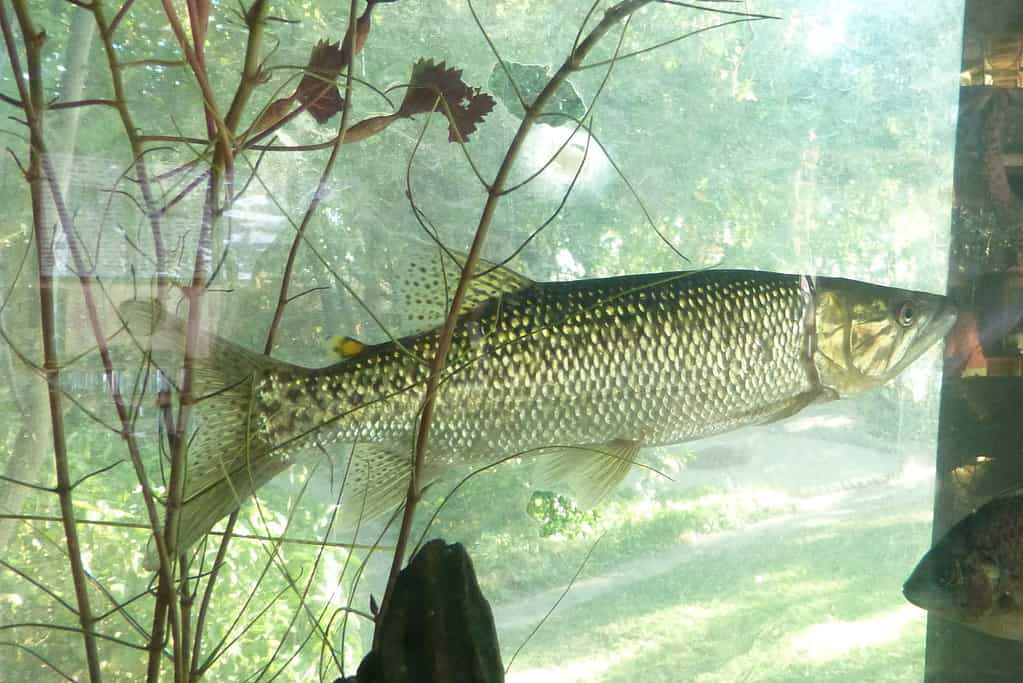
(530, 79)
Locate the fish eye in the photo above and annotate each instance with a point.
(951, 575)
(905, 314)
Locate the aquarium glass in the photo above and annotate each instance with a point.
(785, 135)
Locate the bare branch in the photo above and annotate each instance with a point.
(31, 93)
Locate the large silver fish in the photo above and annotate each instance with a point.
(586, 372)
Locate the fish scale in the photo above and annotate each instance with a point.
(583, 373)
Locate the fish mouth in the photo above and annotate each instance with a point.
(924, 589)
(915, 593)
(937, 328)
(944, 319)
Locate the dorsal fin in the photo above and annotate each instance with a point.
(430, 274)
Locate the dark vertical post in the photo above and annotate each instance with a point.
(980, 435)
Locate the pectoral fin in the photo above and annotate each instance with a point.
(794, 406)
(591, 471)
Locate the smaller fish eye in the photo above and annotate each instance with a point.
(905, 314)
(952, 575)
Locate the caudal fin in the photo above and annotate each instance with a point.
(227, 460)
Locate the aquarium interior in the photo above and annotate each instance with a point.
(814, 137)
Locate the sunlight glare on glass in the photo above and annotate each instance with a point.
(544, 142)
(834, 639)
(826, 34)
(815, 422)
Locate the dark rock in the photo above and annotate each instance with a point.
(437, 626)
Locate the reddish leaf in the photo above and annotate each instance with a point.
(362, 27)
(429, 81)
(317, 90)
(466, 105)
(475, 105)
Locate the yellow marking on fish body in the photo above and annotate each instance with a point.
(346, 347)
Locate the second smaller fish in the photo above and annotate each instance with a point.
(974, 574)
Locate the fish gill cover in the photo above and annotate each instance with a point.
(273, 181)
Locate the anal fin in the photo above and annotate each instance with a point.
(591, 471)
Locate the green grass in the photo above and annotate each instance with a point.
(772, 603)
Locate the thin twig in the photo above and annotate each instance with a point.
(18, 482)
(43, 172)
(285, 634)
(283, 297)
(221, 167)
(41, 586)
(255, 19)
(239, 535)
(38, 656)
(131, 133)
(71, 629)
(539, 625)
(702, 8)
(121, 14)
(118, 607)
(204, 605)
(273, 560)
(154, 62)
(689, 34)
(579, 124)
(324, 633)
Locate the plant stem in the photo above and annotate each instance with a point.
(612, 17)
(255, 18)
(33, 105)
(193, 292)
(46, 173)
(200, 622)
(27, 458)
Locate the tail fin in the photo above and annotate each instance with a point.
(227, 461)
